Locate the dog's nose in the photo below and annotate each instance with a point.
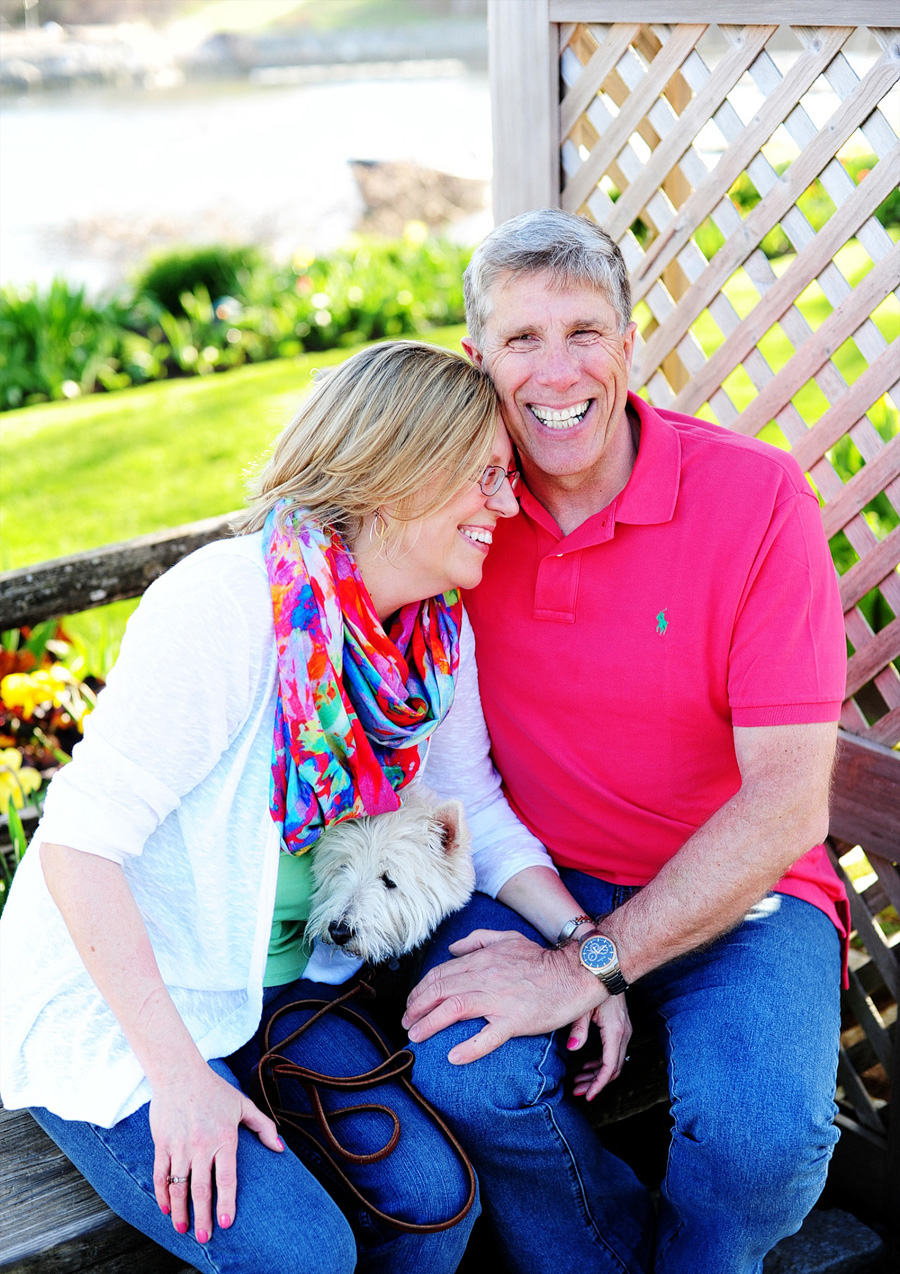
(340, 933)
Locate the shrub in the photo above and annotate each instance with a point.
(217, 268)
(201, 310)
(55, 344)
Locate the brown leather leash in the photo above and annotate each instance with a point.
(273, 1066)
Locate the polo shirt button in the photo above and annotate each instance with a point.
(559, 555)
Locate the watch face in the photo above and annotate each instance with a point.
(598, 953)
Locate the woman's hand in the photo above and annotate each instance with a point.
(194, 1120)
(611, 1018)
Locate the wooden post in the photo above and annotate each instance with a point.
(524, 106)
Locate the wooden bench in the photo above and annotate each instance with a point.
(51, 1220)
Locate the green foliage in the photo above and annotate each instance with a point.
(815, 204)
(54, 344)
(202, 310)
(214, 267)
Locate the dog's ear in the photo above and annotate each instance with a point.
(455, 832)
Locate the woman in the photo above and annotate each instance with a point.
(268, 686)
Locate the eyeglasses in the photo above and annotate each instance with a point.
(492, 479)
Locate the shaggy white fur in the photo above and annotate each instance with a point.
(382, 884)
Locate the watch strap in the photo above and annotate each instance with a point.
(569, 929)
(615, 983)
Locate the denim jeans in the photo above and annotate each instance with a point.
(750, 1029)
(286, 1218)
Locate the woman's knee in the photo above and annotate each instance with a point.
(520, 1073)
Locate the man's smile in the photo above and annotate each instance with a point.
(560, 418)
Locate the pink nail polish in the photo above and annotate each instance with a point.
(573, 1043)
(181, 1227)
(281, 1143)
(202, 1236)
(224, 1221)
(165, 1209)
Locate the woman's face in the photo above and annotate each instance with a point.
(447, 548)
(444, 550)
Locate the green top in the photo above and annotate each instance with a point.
(288, 949)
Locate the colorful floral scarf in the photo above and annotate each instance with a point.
(355, 703)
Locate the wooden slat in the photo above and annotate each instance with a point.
(888, 874)
(741, 151)
(862, 488)
(870, 1020)
(673, 146)
(871, 570)
(566, 31)
(67, 585)
(770, 209)
(855, 1091)
(875, 655)
(806, 361)
(660, 71)
(585, 89)
(805, 267)
(521, 48)
(847, 411)
(882, 955)
(865, 795)
(53, 1222)
(886, 729)
(813, 12)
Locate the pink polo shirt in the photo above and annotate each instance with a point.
(615, 661)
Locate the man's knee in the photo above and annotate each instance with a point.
(756, 1167)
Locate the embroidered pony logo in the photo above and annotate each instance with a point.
(661, 622)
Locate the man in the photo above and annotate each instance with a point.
(661, 657)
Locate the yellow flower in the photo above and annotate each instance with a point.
(23, 692)
(16, 780)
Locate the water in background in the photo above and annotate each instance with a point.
(93, 179)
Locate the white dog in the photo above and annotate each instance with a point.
(382, 884)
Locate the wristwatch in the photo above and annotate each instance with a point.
(599, 956)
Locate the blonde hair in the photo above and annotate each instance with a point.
(394, 421)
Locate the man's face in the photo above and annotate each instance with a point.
(560, 366)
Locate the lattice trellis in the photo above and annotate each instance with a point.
(691, 144)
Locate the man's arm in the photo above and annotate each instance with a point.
(779, 812)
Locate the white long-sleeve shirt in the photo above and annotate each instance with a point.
(171, 781)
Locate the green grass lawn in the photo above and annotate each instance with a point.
(76, 475)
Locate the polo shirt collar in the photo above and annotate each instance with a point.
(648, 497)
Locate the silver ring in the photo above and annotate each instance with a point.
(627, 1057)
(177, 1181)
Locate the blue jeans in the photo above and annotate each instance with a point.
(750, 1028)
(286, 1219)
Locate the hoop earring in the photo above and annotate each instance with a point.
(378, 527)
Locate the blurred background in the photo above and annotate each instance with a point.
(197, 187)
(129, 125)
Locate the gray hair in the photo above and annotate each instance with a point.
(571, 249)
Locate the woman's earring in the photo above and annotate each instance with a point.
(378, 527)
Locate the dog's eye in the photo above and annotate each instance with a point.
(388, 883)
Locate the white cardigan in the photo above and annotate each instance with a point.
(171, 781)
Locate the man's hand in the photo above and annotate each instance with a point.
(519, 987)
